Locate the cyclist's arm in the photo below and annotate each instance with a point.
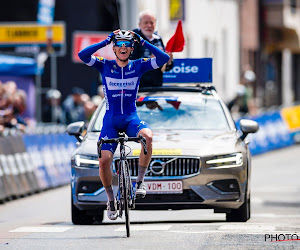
(161, 56)
(86, 54)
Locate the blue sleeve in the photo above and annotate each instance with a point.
(86, 54)
(161, 56)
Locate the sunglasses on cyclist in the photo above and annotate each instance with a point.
(120, 43)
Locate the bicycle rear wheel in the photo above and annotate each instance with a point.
(126, 198)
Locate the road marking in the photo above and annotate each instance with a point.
(228, 232)
(40, 229)
(270, 215)
(264, 215)
(293, 189)
(247, 227)
(195, 232)
(145, 228)
(257, 200)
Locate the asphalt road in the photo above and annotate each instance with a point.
(43, 221)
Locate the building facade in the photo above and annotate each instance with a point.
(281, 51)
(211, 29)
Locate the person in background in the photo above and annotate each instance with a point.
(89, 109)
(73, 106)
(243, 102)
(53, 111)
(147, 23)
(19, 107)
(12, 106)
(10, 88)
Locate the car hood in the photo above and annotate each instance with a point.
(192, 142)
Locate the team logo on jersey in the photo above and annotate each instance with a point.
(100, 59)
(130, 72)
(120, 84)
(145, 59)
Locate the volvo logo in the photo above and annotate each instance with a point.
(158, 167)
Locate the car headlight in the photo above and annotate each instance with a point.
(225, 161)
(86, 161)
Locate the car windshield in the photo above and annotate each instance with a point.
(177, 113)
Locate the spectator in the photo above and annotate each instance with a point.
(97, 99)
(52, 111)
(73, 106)
(243, 102)
(12, 106)
(147, 23)
(19, 106)
(10, 88)
(89, 109)
(85, 98)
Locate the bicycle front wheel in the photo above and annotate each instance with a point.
(126, 198)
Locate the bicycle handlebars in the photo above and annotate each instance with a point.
(123, 138)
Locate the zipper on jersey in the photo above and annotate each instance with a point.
(122, 93)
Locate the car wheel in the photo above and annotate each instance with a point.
(81, 217)
(243, 213)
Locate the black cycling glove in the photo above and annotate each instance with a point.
(137, 38)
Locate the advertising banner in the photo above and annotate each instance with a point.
(291, 116)
(272, 134)
(45, 13)
(190, 70)
(19, 37)
(83, 39)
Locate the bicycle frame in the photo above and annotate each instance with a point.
(124, 181)
(126, 195)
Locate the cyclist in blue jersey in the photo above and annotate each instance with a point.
(121, 78)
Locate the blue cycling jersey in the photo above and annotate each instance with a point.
(120, 87)
(120, 84)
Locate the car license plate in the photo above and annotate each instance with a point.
(160, 187)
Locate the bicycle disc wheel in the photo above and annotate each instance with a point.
(125, 197)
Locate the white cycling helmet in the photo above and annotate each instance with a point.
(123, 35)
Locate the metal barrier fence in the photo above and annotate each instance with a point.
(278, 128)
(40, 159)
(35, 161)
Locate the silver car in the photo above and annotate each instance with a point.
(200, 159)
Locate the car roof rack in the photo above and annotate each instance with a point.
(198, 87)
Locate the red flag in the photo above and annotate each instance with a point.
(176, 43)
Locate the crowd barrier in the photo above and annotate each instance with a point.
(31, 163)
(277, 129)
(34, 162)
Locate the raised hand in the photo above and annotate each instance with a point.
(111, 36)
(137, 38)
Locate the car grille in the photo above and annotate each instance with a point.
(174, 166)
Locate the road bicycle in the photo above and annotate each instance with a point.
(126, 194)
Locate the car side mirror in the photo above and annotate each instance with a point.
(76, 129)
(248, 126)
